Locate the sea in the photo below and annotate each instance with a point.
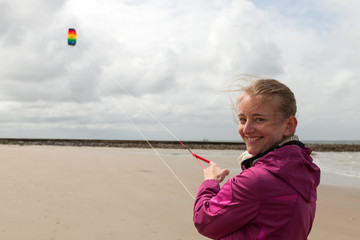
(339, 168)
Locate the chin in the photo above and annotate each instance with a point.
(253, 151)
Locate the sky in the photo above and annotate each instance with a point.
(162, 69)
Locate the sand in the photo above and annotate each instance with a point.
(52, 192)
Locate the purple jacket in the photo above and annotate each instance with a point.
(274, 199)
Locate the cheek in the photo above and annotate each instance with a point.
(240, 129)
(241, 132)
(279, 131)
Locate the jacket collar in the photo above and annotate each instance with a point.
(292, 140)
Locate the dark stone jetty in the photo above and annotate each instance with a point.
(163, 144)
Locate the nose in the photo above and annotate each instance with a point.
(248, 127)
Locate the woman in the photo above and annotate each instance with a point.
(274, 197)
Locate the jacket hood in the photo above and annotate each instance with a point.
(294, 165)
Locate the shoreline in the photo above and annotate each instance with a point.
(221, 145)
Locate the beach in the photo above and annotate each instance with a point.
(74, 193)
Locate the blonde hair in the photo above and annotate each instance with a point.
(267, 89)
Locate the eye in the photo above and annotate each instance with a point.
(242, 120)
(259, 119)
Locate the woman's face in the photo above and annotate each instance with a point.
(260, 125)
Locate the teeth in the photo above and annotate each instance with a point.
(253, 139)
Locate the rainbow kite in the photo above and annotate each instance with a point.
(71, 37)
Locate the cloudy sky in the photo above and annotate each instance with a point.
(162, 68)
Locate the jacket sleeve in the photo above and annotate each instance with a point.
(219, 212)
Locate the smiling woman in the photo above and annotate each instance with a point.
(274, 197)
(266, 115)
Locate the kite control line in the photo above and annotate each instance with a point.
(72, 42)
(195, 155)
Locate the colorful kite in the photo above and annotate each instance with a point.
(71, 37)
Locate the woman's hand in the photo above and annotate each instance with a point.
(214, 172)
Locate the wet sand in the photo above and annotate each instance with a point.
(53, 192)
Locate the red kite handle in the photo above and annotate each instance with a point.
(201, 158)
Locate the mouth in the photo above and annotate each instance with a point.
(253, 139)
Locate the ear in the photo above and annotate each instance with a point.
(291, 124)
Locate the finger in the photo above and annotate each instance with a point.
(223, 174)
(212, 163)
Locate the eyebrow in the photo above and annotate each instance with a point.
(254, 115)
